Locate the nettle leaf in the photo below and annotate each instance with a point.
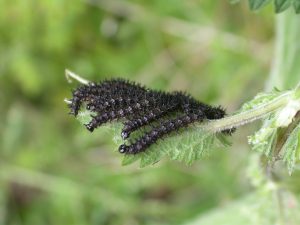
(188, 145)
(264, 140)
(291, 149)
(85, 116)
(270, 139)
(296, 5)
(260, 99)
(257, 4)
(280, 5)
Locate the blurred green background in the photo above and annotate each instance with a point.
(53, 171)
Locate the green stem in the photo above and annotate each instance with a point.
(275, 77)
(70, 75)
(285, 70)
(248, 116)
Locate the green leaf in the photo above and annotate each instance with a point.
(296, 5)
(85, 116)
(129, 159)
(257, 4)
(264, 140)
(150, 157)
(291, 149)
(281, 5)
(188, 145)
(260, 99)
(279, 122)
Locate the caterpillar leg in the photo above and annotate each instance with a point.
(136, 123)
(110, 115)
(80, 95)
(153, 135)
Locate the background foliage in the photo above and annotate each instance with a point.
(52, 171)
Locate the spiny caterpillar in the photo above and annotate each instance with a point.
(139, 107)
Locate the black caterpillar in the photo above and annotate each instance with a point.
(138, 107)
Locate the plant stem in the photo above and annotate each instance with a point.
(275, 77)
(69, 74)
(248, 116)
(285, 71)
